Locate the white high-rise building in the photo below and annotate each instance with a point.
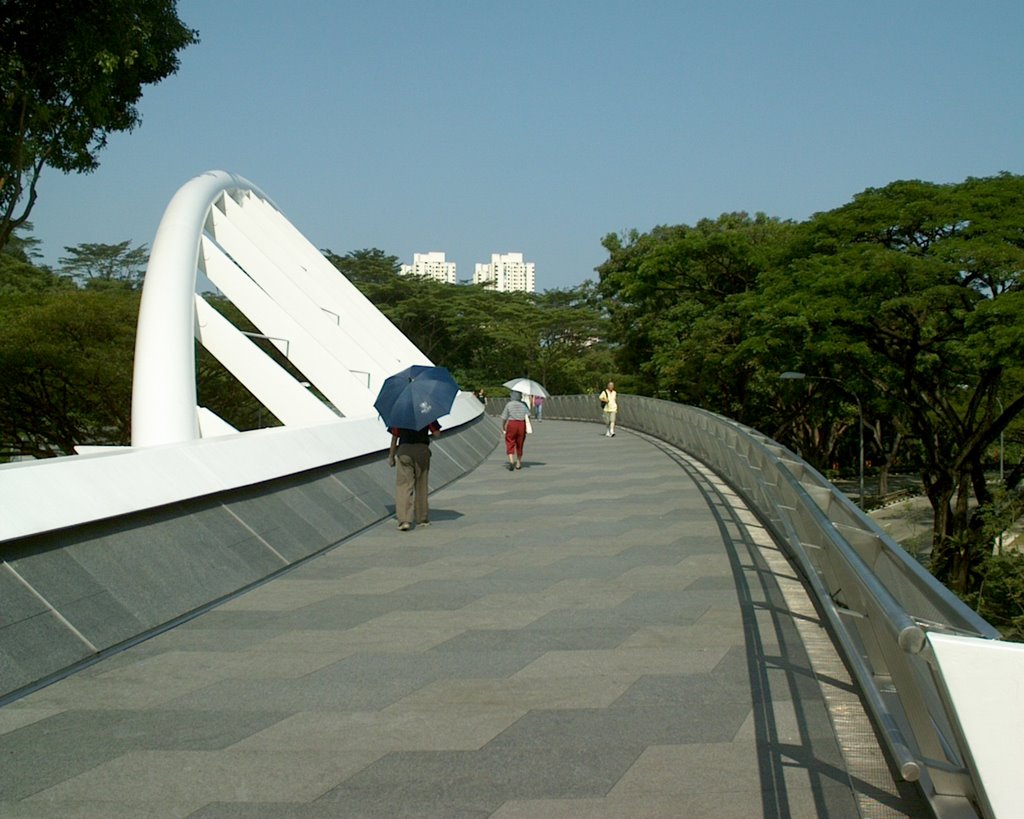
(430, 266)
(506, 273)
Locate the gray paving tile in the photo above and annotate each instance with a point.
(675, 607)
(57, 748)
(459, 781)
(459, 592)
(534, 641)
(639, 726)
(285, 810)
(553, 645)
(630, 615)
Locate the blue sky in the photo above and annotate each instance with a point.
(478, 126)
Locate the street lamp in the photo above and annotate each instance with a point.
(1001, 410)
(789, 375)
(1002, 482)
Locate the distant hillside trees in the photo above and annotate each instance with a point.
(484, 337)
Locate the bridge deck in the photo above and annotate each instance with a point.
(605, 633)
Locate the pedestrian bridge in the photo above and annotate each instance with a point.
(684, 620)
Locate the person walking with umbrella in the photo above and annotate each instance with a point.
(513, 424)
(410, 452)
(410, 402)
(533, 393)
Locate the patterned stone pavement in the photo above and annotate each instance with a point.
(607, 632)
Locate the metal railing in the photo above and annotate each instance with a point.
(878, 601)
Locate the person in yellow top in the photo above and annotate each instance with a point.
(610, 408)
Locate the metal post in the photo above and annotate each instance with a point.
(1000, 442)
(860, 455)
(1002, 481)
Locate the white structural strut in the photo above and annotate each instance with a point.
(331, 335)
(338, 342)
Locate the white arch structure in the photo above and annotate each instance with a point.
(225, 227)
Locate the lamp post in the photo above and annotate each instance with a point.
(1000, 442)
(789, 375)
(1002, 482)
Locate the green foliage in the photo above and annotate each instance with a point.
(65, 357)
(368, 268)
(65, 370)
(101, 264)
(72, 73)
(677, 298)
(914, 289)
(23, 246)
(905, 303)
(18, 277)
(1000, 596)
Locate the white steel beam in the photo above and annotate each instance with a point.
(336, 294)
(337, 339)
(289, 400)
(325, 353)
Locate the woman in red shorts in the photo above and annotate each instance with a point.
(513, 424)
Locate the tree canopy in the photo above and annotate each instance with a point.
(65, 369)
(912, 293)
(71, 74)
(97, 264)
(904, 305)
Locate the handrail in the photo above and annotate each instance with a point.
(878, 601)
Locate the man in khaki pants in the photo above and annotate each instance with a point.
(410, 449)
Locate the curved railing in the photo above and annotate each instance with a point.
(879, 602)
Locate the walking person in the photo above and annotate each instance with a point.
(527, 399)
(513, 424)
(610, 408)
(410, 451)
(538, 406)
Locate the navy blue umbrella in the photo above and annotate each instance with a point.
(416, 396)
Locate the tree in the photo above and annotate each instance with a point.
(23, 246)
(571, 354)
(366, 267)
(92, 264)
(910, 297)
(675, 297)
(66, 370)
(71, 74)
(20, 277)
(913, 293)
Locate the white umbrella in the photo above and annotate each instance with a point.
(527, 386)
